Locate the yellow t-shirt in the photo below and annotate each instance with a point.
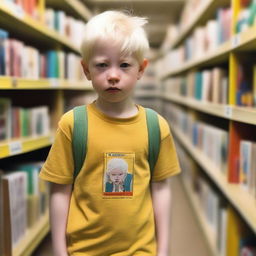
(111, 210)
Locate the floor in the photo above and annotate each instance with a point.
(186, 236)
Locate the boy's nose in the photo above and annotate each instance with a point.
(113, 75)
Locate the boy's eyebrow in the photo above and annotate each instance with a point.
(97, 59)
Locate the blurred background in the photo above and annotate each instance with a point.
(201, 78)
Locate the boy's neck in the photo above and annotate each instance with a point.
(117, 109)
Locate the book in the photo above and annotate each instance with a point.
(245, 163)
(15, 210)
(33, 194)
(3, 37)
(5, 119)
(206, 85)
(198, 86)
(244, 94)
(222, 231)
(217, 76)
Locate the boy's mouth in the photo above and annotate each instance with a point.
(113, 89)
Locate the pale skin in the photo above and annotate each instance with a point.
(114, 77)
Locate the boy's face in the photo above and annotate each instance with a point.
(117, 176)
(113, 75)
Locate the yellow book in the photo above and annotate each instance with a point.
(233, 233)
(237, 233)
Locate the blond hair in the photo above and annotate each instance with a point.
(117, 164)
(118, 28)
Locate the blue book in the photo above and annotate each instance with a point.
(3, 36)
(52, 64)
(198, 86)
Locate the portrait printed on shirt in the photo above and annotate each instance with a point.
(118, 174)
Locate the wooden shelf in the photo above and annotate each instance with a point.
(237, 196)
(33, 237)
(244, 41)
(32, 29)
(204, 12)
(216, 56)
(235, 113)
(13, 83)
(76, 7)
(23, 145)
(201, 218)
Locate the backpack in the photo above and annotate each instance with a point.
(80, 132)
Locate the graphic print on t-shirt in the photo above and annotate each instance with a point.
(118, 174)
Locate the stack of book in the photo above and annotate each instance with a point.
(20, 60)
(246, 17)
(210, 140)
(248, 166)
(246, 84)
(65, 25)
(209, 85)
(29, 7)
(16, 122)
(204, 39)
(24, 198)
(227, 233)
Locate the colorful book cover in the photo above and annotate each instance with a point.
(245, 163)
(3, 36)
(198, 86)
(15, 217)
(52, 64)
(222, 231)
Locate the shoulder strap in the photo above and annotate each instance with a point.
(79, 140)
(154, 138)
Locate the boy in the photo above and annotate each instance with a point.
(85, 221)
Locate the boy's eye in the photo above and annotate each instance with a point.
(101, 65)
(125, 65)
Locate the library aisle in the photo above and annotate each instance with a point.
(201, 79)
(186, 236)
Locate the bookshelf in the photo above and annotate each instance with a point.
(35, 30)
(236, 118)
(24, 92)
(23, 145)
(205, 9)
(214, 57)
(230, 112)
(244, 41)
(235, 194)
(75, 7)
(12, 83)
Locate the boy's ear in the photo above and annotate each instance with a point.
(142, 68)
(86, 70)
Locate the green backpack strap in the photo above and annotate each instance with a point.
(79, 140)
(154, 138)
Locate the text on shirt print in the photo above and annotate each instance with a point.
(118, 174)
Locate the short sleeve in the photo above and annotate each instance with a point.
(59, 166)
(167, 163)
